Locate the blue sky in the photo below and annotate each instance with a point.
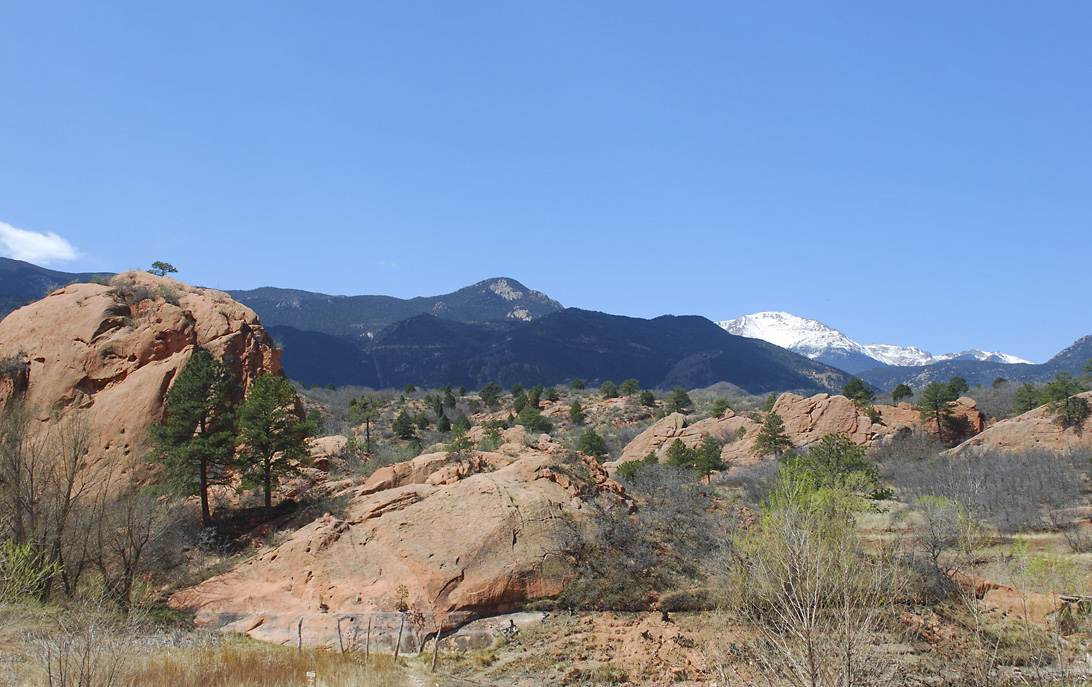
(912, 173)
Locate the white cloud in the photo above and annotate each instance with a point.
(41, 249)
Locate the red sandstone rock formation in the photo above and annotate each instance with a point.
(463, 545)
(1034, 429)
(112, 351)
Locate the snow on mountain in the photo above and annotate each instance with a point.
(817, 341)
(790, 331)
(988, 356)
(902, 356)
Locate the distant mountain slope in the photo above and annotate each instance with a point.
(362, 317)
(820, 342)
(22, 283)
(688, 351)
(1071, 360)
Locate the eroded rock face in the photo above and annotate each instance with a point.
(463, 546)
(113, 351)
(1035, 429)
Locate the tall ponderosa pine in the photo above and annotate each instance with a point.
(196, 440)
(271, 435)
(772, 438)
(935, 405)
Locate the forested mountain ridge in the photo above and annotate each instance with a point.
(497, 299)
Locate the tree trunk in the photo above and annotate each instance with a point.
(206, 515)
(268, 487)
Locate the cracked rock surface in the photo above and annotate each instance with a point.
(463, 543)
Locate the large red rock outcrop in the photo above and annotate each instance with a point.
(660, 436)
(459, 546)
(113, 350)
(807, 420)
(1034, 429)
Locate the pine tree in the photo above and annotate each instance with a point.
(935, 405)
(271, 435)
(838, 462)
(608, 389)
(592, 444)
(1026, 398)
(901, 393)
(772, 438)
(957, 386)
(576, 413)
(196, 441)
(403, 426)
(531, 418)
(707, 456)
(1062, 401)
(857, 391)
(678, 455)
(461, 424)
(365, 409)
(489, 393)
(629, 387)
(679, 401)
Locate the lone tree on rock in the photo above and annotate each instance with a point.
(272, 437)
(196, 441)
(162, 269)
(772, 438)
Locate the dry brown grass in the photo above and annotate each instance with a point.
(135, 660)
(240, 663)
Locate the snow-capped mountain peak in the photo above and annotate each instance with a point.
(817, 341)
(791, 331)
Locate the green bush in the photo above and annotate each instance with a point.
(23, 573)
